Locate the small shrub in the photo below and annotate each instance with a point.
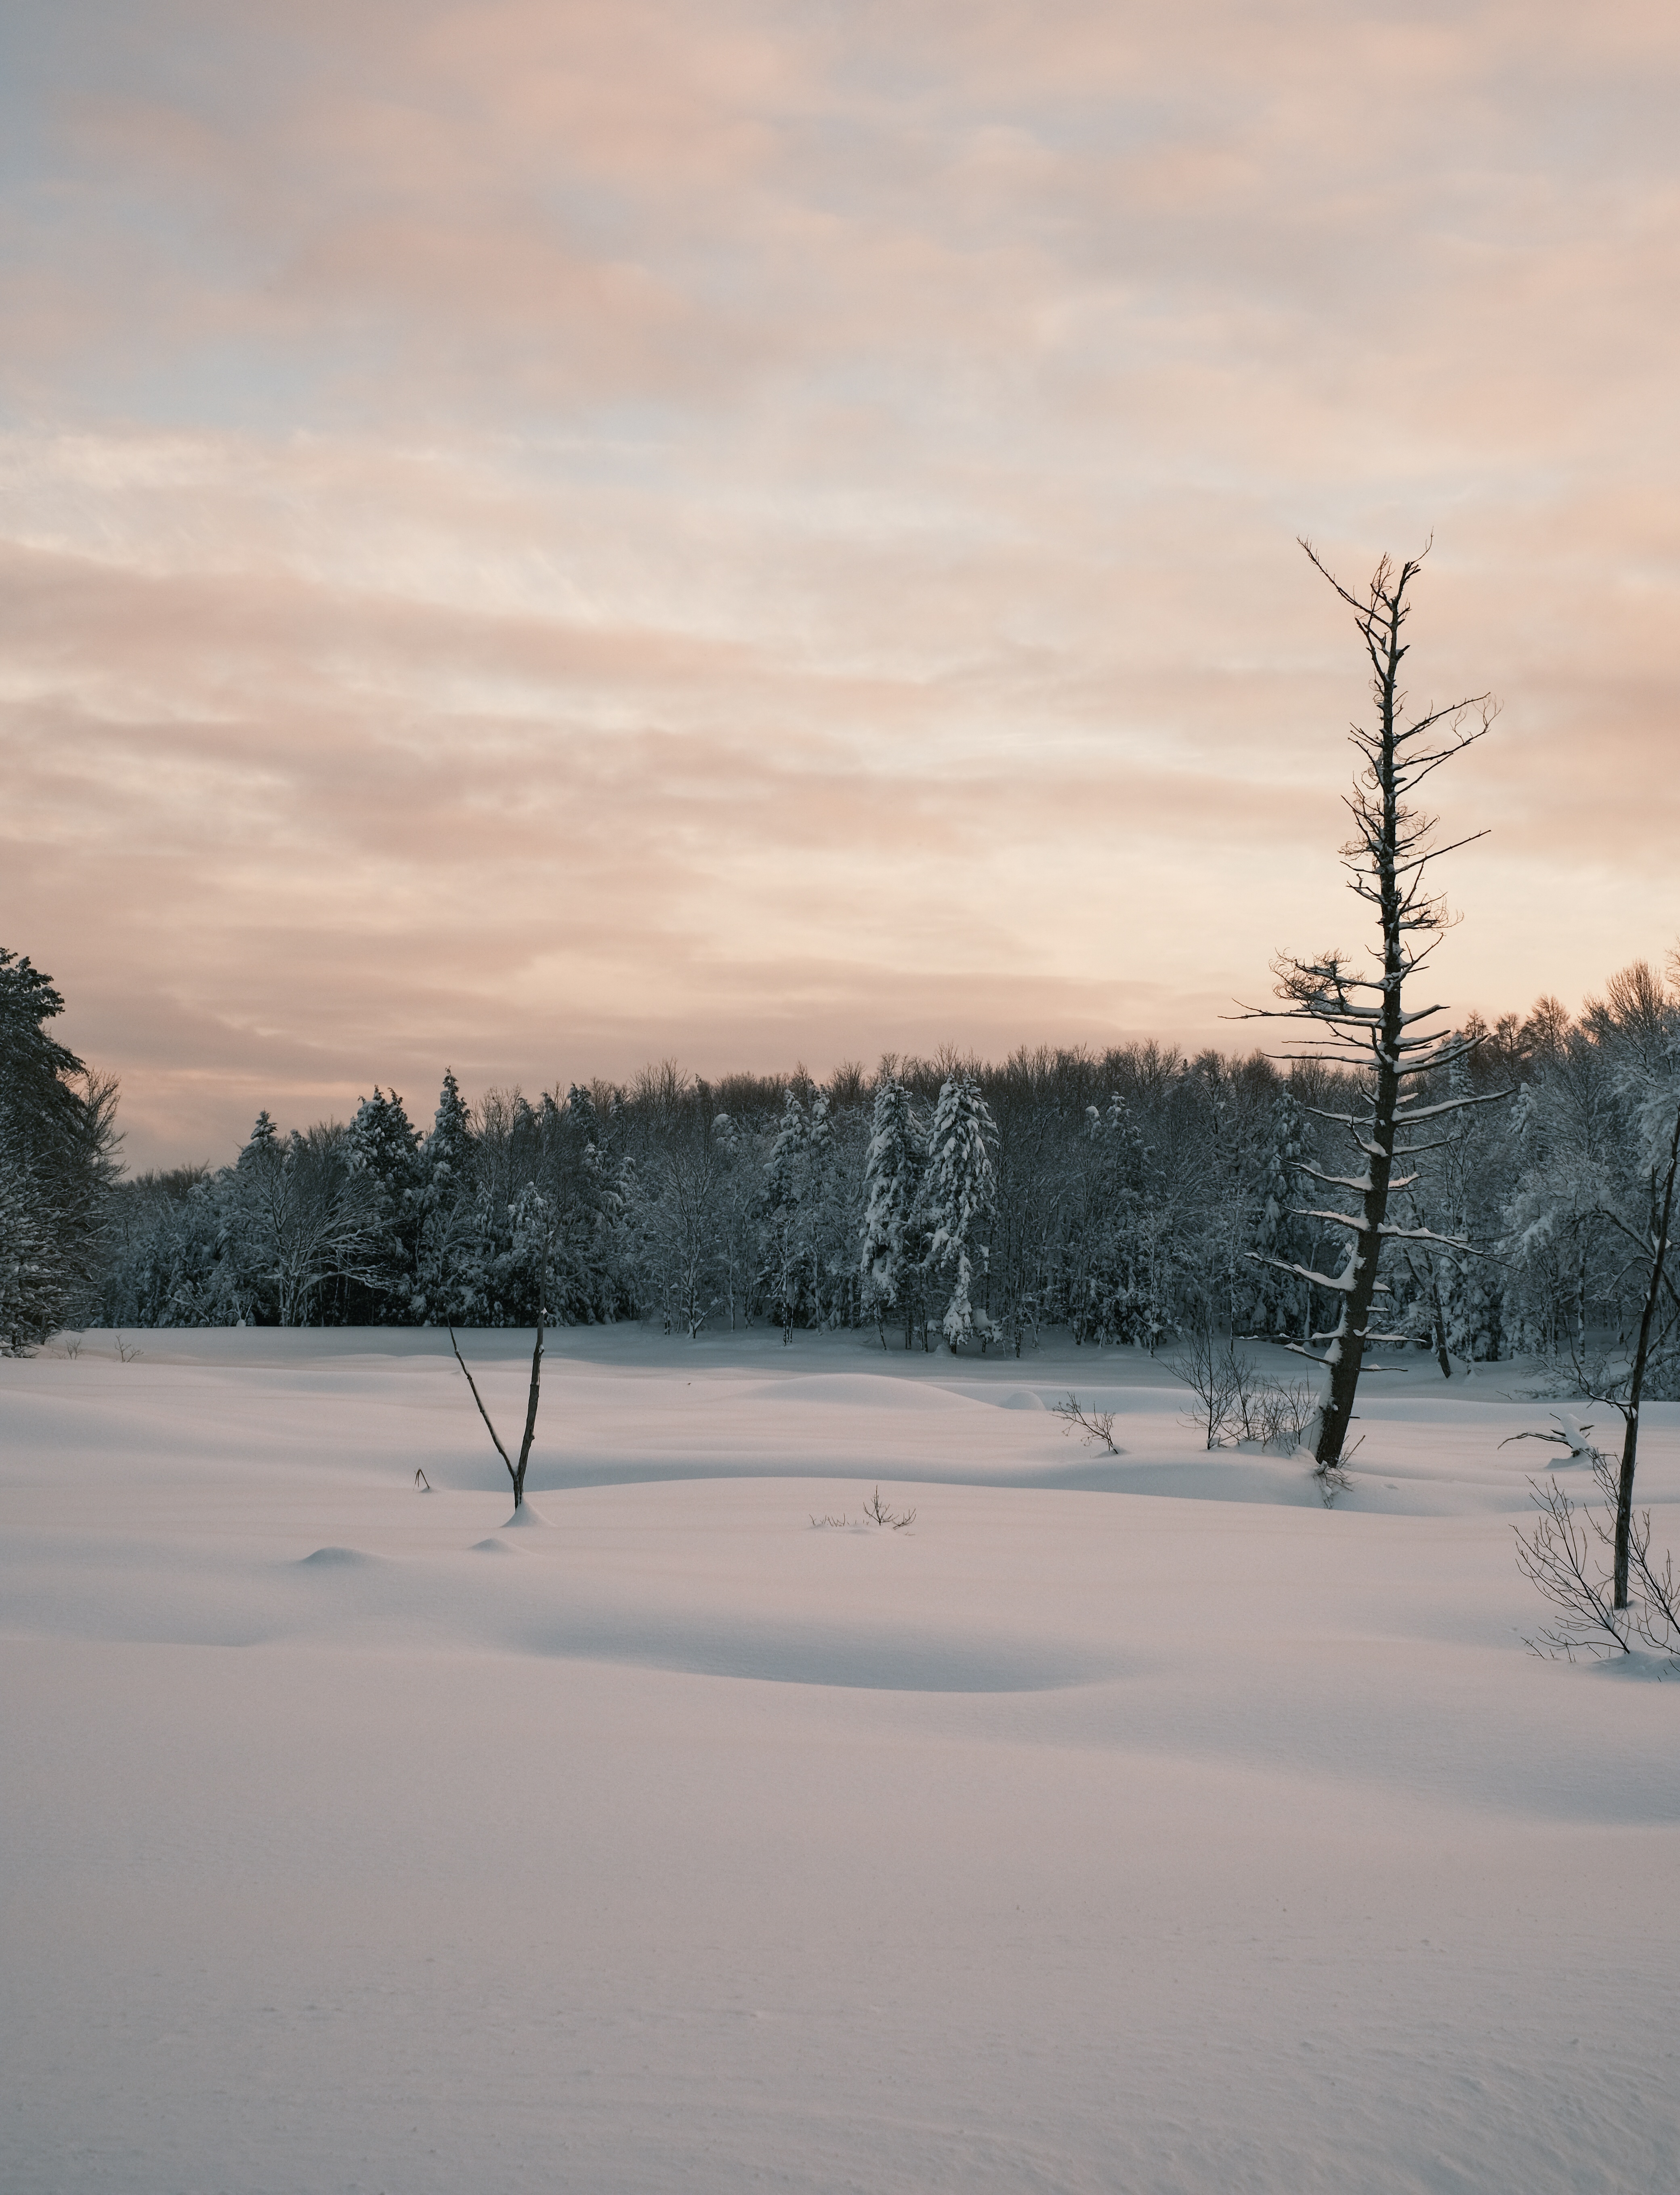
(1556, 1555)
(1093, 1424)
(1236, 1402)
(877, 1512)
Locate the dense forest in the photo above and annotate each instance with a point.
(1133, 1195)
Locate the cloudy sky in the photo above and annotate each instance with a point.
(537, 537)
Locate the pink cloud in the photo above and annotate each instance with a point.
(537, 537)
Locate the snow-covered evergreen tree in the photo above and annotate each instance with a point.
(738, 1210)
(594, 1214)
(451, 1142)
(786, 1263)
(57, 1160)
(827, 1228)
(1129, 1253)
(1282, 1237)
(31, 1297)
(957, 1201)
(895, 1237)
(383, 1149)
(449, 1249)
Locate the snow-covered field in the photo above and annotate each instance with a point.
(1126, 1823)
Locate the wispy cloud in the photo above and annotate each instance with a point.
(538, 536)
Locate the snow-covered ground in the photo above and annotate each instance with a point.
(1126, 1823)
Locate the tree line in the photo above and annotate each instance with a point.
(1134, 1195)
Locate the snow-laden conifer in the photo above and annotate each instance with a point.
(383, 1148)
(826, 1222)
(894, 1244)
(594, 1207)
(959, 1196)
(450, 1141)
(784, 1185)
(449, 1253)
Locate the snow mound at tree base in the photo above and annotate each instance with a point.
(525, 1519)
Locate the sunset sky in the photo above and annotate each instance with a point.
(537, 537)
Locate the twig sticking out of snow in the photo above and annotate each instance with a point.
(875, 1512)
(1093, 1424)
(879, 1513)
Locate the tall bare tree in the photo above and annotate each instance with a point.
(1366, 1021)
(539, 1218)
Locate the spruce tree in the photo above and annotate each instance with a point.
(894, 1238)
(959, 1198)
(58, 1142)
(785, 1186)
(384, 1150)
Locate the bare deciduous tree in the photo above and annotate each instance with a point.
(1093, 1424)
(516, 1470)
(1624, 1390)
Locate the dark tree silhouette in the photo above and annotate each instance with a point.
(1366, 1019)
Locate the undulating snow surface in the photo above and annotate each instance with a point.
(1123, 1823)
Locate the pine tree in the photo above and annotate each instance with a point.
(1281, 1239)
(825, 1249)
(595, 1209)
(784, 1185)
(384, 1149)
(959, 1199)
(32, 1294)
(451, 1142)
(1128, 1253)
(449, 1247)
(738, 1201)
(894, 1244)
(58, 1142)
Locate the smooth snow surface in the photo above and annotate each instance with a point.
(1126, 1823)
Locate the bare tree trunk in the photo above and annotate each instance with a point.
(1437, 1315)
(1359, 1277)
(1442, 1357)
(531, 1409)
(1642, 1352)
(1360, 1017)
(515, 1470)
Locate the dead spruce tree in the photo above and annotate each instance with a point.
(1364, 1020)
